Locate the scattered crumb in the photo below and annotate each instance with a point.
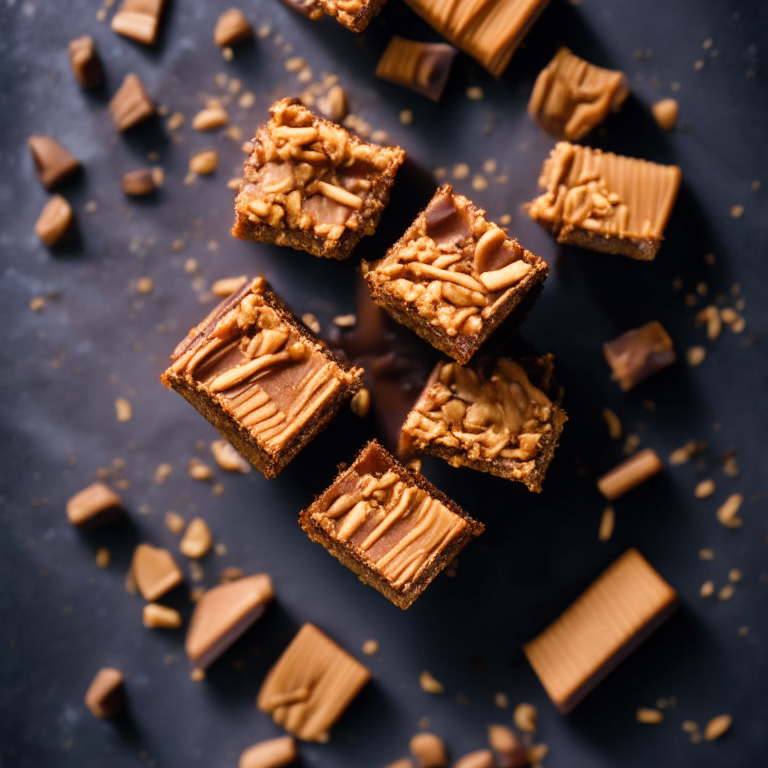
(37, 303)
(424, 723)
(698, 64)
(220, 548)
(479, 183)
(361, 403)
(175, 121)
(728, 513)
(429, 684)
(606, 524)
(717, 726)
(665, 113)
(144, 285)
(525, 717)
(123, 409)
(726, 592)
(103, 557)
(295, 64)
(227, 54)
(460, 171)
(737, 211)
(440, 173)
(228, 458)
(755, 186)
(198, 470)
(696, 738)
(537, 753)
(735, 575)
(475, 92)
(174, 522)
(631, 444)
(505, 220)
(706, 554)
(371, 647)
(690, 727)
(489, 166)
(649, 716)
(162, 472)
(707, 589)
(217, 489)
(345, 321)
(406, 117)
(704, 489)
(501, 700)
(696, 355)
(233, 573)
(612, 422)
(198, 675)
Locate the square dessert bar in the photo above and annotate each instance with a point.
(311, 684)
(495, 415)
(311, 185)
(605, 202)
(389, 525)
(259, 376)
(615, 614)
(453, 277)
(572, 96)
(355, 15)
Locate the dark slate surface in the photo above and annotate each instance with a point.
(97, 339)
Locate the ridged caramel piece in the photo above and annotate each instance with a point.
(422, 67)
(139, 20)
(605, 202)
(572, 96)
(311, 685)
(488, 30)
(614, 615)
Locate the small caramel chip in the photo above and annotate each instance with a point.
(131, 105)
(140, 182)
(123, 410)
(55, 221)
(53, 163)
(94, 506)
(160, 617)
(106, 695)
(199, 470)
(197, 540)
(155, 571)
(139, 20)
(273, 753)
(85, 61)
(429, 751)
(223, 614)
(232, 28)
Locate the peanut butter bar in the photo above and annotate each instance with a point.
(639, 353)
(572, 96)
(311, 185)
(496, 415)
(453, 277)
(605, 202)
(311, 684)
(353, 14)
(615, 614)
(488, 30)
(389, 525)
(259, 376)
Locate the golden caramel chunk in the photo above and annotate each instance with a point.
(55, 221)
(106, 695)
(232, 28)
(94, 506)
(53, 163)
(665, 113)
(85, 61)
(155, 571)
(130, 105)
(139, 20)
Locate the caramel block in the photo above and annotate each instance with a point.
(629, 474)
(388, 525)
(355, 15)
(85, 62)
(637, 354)
(605, 202)
(155, 571)
(106, 694)
(571, 97)
(258, 375)
(131, 104)
(421, 67)
(453, 277)
(139, 20)
(223, 614)
(490, 416)
(488, 30)
(53, 163)
(311, 685)
(94, 506)
(311, 185)
(615, 614)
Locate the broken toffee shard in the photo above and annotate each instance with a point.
(605, 202)
(454, 276)
(388, 525)
(572, 96)
(311, 185)
(496, 414)
(311, 684)
(260, 377)
(610, 619)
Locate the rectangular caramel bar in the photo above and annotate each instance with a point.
(453, 277)
(490, 416)
(571, 96)
(259, 376)
(605, 624)
(488, 30)
(355, 15)
(389, 525)
(639, 353)
(311, 185)
(311, 684)
(605, 202)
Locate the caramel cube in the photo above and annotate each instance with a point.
(615, 614)
(389, 525)
(639, 353)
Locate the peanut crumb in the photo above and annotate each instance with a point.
(197, 540)
(406, 117)
(649, 716)
(489, 166)
(294, 64)
(704, 489)
(123, 409)
(735, 575)
(361, 403)
(737, 211)
(429, 684)
(195, 594)
(175, 121)
(145, 285)
(370, 647)
(707, 589)
(536, 754)
(204, 163)
(228, 285)
(440, 173)
(698, 65)
(475, 93)
(217, 489)
(631, 444)
(696, 355)
(755, 186)
(228, 458)
(726, 592)
(247, 100)
(606, 524)
(198, 675)
(460, 171)
(174, 522)
(162, 472)
(227, 54)
(198, 470)
(414, 464)
(103, 557)
(717, 726)
(526, 717)
(706, 554)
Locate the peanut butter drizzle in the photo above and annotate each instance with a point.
(498, 417)
(397, 528)
(572, 96)
(605, 194)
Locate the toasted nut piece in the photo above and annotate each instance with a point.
(648, 715)
(208, 119)
(502, 278)
(228, 285)
(311, 322)
(52, 162)
(103, 557)
(361, 403)
(340, 195)
(483, 758)
(106, 695)
(160, 617)
(94, 506)
(270, 754)
(204, 163)
(139, 20)
(155, 571)
(717, 726)
(486, 246)
(139, 182)
(228, 458)
(707, 589)
(695, 355)
(728, 513)
(510, 751)
(130, 105)
(198, 470)
(54, 221)
(197, 540)
(665, 113)
(85, 61)
(704, 489)
(232, 28)
(429, 684)
(429, 750)
(333, 105)
(174, 522)
(526, 717)
(629, 474)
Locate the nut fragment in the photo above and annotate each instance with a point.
(198, 470)
(232, 28)
(52, 162)
(525, 717)
(130, 105)
(157, 616)
(695, 355)
(629, 474)
(665, 113)
(140, 182)
(728, 513)
(311, 322)
(510, 751)
(106, 696)
(228, 458)
(707, 589)
(648, 715)
(704, 489)
(103, 557)
(197, 540)
(345, 321)
(204, 163)
(429, 684)
(429, 750)
(228, 285)
(270, 754)
(54, 221)
(139, 20)
(717, 726)
(333, 105)
(85, 61)
(94, 506)
(209, 119)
